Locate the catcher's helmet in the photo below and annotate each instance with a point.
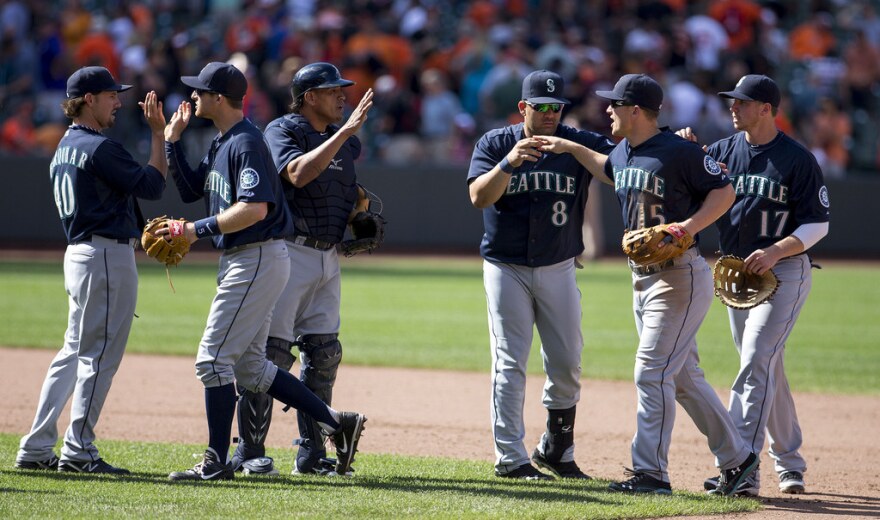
(316, 75)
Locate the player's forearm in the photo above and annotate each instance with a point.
(158, 159)
(592, 160)
(308, 166)
(486, 189)
(242, 215)
(716, 203)
(184, 177)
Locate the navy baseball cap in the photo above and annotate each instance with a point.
(636, 89)
(543, 86)
(91, 80)
(221, 78)
(755, 87)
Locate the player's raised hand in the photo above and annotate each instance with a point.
(553, 144)
(357, 118)
(179, 121)
(153, 112)
(528, 149)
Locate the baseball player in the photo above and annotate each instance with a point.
(247, 220)
(781, 210)
(661, 178)
(315, 159)
(95, 182)
(532, 189)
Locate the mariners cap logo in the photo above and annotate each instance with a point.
(551, 86)
(711, 166)
(249, 178)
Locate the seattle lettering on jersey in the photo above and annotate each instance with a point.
(541, 181)
(760, 186)
(639, 179)
(216, 183)
(69, 155)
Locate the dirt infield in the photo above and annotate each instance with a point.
(442, 413)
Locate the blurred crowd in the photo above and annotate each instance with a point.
(444, 71)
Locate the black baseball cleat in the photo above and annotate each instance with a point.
(730, 479)
(97, 466)
(210, 468)
(50, 464)
(325, 467)
(641, 483)
(748, 487)
(560, 469)
(524, 472)
(792, 483)
(346, 438)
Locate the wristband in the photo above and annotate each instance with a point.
(505, 166)
(207, 227)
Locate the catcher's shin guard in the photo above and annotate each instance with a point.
(559, 436)
(255, 409)
(320, 355)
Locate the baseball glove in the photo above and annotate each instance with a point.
(739, 289)
(168, 249)
(642, 246)
(367, 231)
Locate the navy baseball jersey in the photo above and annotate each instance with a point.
(95, 182)
(320, 208)
(664, 179)
(538, 219)
(238, 167)
(779, 186)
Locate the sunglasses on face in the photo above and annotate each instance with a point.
(621, 104)
(546, 107)
(201, 92)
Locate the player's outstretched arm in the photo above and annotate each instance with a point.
(716, 203)
(592, 160)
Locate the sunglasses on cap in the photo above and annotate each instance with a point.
(546, 107)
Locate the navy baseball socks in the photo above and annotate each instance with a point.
(220, 408)
(344, 428)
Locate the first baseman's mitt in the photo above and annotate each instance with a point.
(739, 289)
(168, 249)
(642, 246)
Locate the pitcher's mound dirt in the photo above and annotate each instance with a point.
(442, 413)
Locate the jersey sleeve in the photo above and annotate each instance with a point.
(702, 173)
(286, 143)
(809, 195)
(189, 182)
(115, 166)
(486, 155)
(250, 165)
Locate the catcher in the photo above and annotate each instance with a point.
(314, 154)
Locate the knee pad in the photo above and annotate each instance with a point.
(254, 418)
(320, 355)
(278, 352)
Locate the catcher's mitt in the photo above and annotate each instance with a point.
(739, 289)
(168, 249)
(641, 245)
(367, 231)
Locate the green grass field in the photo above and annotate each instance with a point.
(385, 487)
(409, 312)
(431, 313)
